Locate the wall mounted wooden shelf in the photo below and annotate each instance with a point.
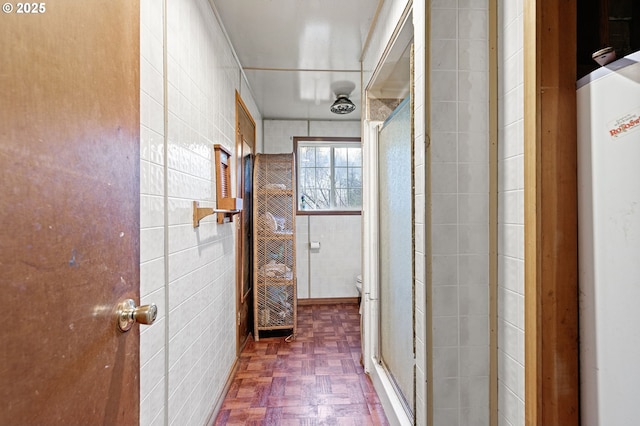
(227, 206)
(200, 213)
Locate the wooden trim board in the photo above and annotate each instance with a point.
(211, 420)
(550, 203)
(327, 301)
(493, 212)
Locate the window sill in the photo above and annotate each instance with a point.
(328, 212)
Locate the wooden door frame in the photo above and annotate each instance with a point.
(550, 208)
(241, 108)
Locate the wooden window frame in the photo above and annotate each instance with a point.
(327, 212)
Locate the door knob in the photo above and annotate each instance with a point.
(128, 314)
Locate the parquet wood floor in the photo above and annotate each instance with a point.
(316, 379)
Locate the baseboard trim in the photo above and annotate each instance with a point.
(328, 301)
(211, 420)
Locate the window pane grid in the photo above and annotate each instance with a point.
(330, 177)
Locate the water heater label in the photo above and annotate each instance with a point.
(628, 123)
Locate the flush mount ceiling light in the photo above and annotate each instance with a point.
(342, 105)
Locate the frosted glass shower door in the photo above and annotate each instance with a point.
(396, 251)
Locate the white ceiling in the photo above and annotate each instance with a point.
(298, 54)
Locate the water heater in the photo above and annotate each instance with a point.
(609, 242)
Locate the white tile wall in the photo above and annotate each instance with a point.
(510, 214)
(345, 129)
(187, 355)
(332, 270)
(278, 134)
(459, 212)
(152, 261)
(302, 256)
(334, 267)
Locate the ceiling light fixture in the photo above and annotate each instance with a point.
(342, 105)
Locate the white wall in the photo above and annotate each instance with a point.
(152, 258)
(510, 213)
(331, 271)
(187, 355)
(460, 188)
(334, 267)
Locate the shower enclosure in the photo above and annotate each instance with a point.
(396, 247)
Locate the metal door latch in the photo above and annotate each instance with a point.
(128, 314)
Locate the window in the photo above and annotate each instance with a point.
(329, 175)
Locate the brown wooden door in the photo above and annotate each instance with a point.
(245, 143)
(69, 212)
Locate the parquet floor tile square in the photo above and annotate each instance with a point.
(314, 380)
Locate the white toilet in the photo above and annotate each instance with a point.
(360, 307)
(359, 285)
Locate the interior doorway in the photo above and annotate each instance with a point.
(245, 146)
(389, 320)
